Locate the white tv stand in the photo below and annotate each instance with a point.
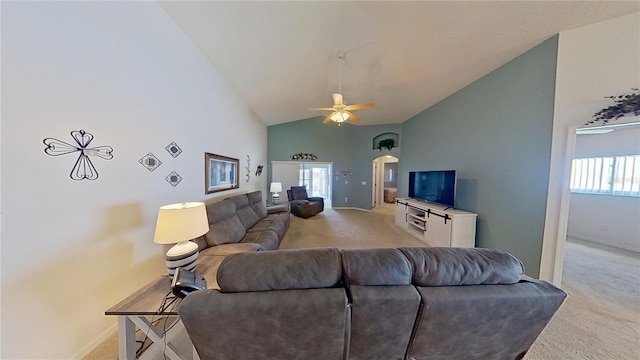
(436, 224)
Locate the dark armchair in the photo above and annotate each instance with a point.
(301, 204)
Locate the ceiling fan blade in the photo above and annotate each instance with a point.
(353, 118)
(322, 109)
(360, 106)
(328, 118)
(337, 99)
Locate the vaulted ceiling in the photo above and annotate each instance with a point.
(282, 57)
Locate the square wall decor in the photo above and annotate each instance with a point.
(173, 149)
(150, 161)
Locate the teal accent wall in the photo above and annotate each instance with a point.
(349, 147)
(496, 133)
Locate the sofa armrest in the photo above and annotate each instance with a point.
(316, 199)
(275, 209)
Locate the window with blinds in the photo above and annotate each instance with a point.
(612, 175)
(315, 176)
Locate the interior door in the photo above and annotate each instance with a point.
(317, 178)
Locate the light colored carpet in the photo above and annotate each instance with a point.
(348, 229)
(600, 320)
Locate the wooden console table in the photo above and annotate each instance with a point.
(154, 299)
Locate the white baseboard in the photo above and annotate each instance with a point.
(95, 342)
(349, 208)
(604, 242)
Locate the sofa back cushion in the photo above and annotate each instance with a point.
(280, 270)
(299, 193)
(245, 213)
(255, 201)
(482, 321)
(373, 267)
(267, 325)
(462, 266)
(224, 225)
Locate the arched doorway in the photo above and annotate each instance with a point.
(385, 181)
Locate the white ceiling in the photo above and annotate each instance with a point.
(281, 57)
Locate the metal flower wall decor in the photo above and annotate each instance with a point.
(626, 104)
(83, 168)
(303, 156)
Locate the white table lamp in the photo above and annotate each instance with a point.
(276, 187)
(178, 224)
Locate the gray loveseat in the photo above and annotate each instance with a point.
(242, 223)
(406, 303)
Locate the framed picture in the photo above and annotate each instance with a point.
(220, 172)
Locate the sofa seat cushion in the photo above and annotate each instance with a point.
(228, 249)
(280, 270)
(273, 223)
(267, 239)
(463, 266)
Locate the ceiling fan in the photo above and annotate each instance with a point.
(340, 112)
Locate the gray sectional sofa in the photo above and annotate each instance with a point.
(242, 223)
(405, 303)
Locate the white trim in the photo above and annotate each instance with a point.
(350, 208)
(603, 242)
(301, 162)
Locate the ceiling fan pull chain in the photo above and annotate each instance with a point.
(341, 58)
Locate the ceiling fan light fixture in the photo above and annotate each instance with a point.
(340, 112)
(340, 116)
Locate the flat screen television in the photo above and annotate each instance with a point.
(433, 186)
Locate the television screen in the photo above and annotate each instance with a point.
(433, 186)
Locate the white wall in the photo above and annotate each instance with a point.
(609, 220)
(124, 72)
(593, 62)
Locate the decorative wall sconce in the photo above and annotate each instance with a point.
(344, 173)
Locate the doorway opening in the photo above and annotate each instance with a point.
(316, 176)
(385, 181)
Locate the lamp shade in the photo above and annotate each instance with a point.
(180, 222)
(340, 116)
(275, 187)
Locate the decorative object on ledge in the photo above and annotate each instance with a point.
(173, 178)
(627, 104)
(303, 156)
(276, 188)
(150, 161)
(174, 149)
(344, 173)
(386, 140)
(178, 224)
(83, 168)
(259, 170)
(248, 168)
(221, 173)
